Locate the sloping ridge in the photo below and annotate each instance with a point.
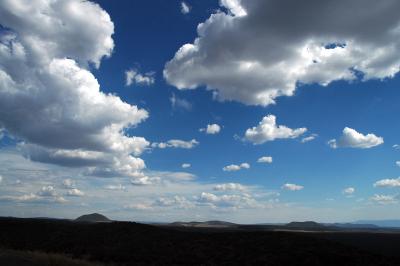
(93, 218)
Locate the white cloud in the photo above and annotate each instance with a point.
(69, 183)
(75, 193)
(384, 199)
(268, 130)
(1, 179)
(398, 163)
(235, 167)
(251, 53)
(349, 191)
(186, 165)
(353, 139)
(180, 103)
(231, 200)
(309, 138)
(47, 191)
(396, 146)
(138, 206)
(265, 159)
(185, 8)
(292, 187)
(211, 129)
(395, 182)
(115, 187)
(48, 97)
(179, 202)
(132, 76)
(176, 143)
(229, 187)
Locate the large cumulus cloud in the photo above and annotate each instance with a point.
(49, 98)
(254, 51)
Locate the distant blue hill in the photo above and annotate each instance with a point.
(380, 223)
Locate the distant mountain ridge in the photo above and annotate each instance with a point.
(380, 223)
(93, 218)
(205, 224)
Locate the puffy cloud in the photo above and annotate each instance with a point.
(395, 182)
(253, 54)
(229, 187)
(396, 146)
(268, 130)
(180, 103)
(353, 139)
(348, 191)
(176, 143)
(384, 199)
(211, 129)
(179, 202)
(133, 76)
(138, 206)
(292, 187)
(309, 138)
(75, 193)
(235, 167)
(186, 165)
(115, 187)
(47, 191)
(69, 183)
(50, 100)
(224, 201)
(265, 159)
(185, 8)
(398, 163)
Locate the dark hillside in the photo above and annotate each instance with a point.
(127, 243)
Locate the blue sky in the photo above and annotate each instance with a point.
(68, 149)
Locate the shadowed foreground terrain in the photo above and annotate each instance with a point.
(128, 243)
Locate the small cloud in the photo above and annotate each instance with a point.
(396, 146)
(265, 159)
(398, 163)
(348, 191)
(186, 165)
(235, 167)
(395, 182)
(115, 187)
(268, 130)
(292, 187)
(176, 143)
(384, 199)
(353, 139)
(180, 103)
(68, 183)
(229, 187)
(133, 76)
(309, 138)
(185, 8)
(75, 193)
(211, 129)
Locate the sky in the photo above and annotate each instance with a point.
(247, 111)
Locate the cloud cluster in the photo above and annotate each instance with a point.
(268, 130)
(265, 159)
(395, 182)
(236, 167)
(133, 76)
(348, 191)
(185, 8)
(353, 139)
(292, 187)
(211, 129)
(254, 51)
(49, 98)
(176, 143)
(384, 199)
(229, 187)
